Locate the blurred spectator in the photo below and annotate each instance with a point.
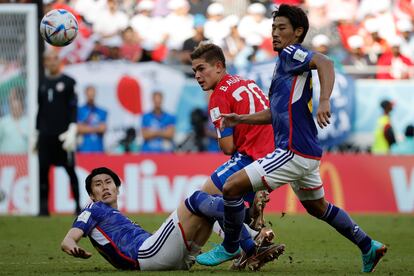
(128, 144)
(216, 27)
(233, 43)
(382, 12)
(405, 27)
(375, 45)
(14, 126)
(97, 53)
(392, 64)
(112, 48)
(407, 145)
(89, 9)
(321, 43)
(361, 64)
(342, 10)
(371, 7)
(201, 138)
(319, 23)
(158, 128)
(127, 6)
(161, 8)
(199, 6)
(384, 136)
(251, 52)
(254, 23)
(110, 21)
(179, 24)
(346, 29)
(91, 123)
(192, 42)
(148, 28)
(130, 48)
(404, 9)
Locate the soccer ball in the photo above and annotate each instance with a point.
(59, 27)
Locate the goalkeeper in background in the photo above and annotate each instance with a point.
(56, 127)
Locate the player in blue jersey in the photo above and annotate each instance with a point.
(172, 247)
(298, 152)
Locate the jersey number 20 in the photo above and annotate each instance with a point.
(252, 91)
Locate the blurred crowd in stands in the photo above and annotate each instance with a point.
(365, 38)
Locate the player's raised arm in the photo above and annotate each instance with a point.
(326, 75)
(263, 117)
(70, 244)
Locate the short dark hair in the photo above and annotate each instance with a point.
(385, 104)
(409, 131)
(297, 17)
(101, 170)
(157, 92)
(210, 52)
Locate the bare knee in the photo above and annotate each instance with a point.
(230, 189)
(193, 224)
(237, 185)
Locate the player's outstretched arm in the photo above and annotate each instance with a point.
(70, 244)
(259, 118)
(326, 75)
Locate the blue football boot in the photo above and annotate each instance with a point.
(372, 257)
(216, 256)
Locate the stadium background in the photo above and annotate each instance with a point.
(152, 184)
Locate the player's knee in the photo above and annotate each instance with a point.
(195, 201)
(191, 203)
(232, 188)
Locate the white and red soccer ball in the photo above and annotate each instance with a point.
(59, 27)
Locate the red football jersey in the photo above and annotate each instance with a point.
(236, 95)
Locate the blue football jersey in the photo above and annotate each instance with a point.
(113, 235)
(157, 122)
(92, 116)
(290, 98)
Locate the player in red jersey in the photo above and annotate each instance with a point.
(232, 94)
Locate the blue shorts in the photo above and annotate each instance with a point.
(236, 163)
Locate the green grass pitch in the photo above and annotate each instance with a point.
(31, 246)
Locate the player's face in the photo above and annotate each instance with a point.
(157, 101)
(207, 75)
(283, 34)
(52, 62)
(90, 95)
(104, 189)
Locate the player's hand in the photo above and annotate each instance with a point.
(324, 113)
(69, 138)
(229, 120)
(78, 252)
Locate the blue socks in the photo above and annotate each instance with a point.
(341, 221)
(233, 222)
(212, 208)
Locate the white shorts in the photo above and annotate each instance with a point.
(167, 248)
(283, 166)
